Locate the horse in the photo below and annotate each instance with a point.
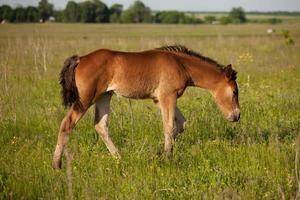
(160, 74)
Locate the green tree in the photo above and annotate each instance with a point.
(101, 11)
(238, 15)
(210, 19)
(93, 11)
(1, 10)
(6, 13)
(32, 14)
(137, 13)
(59, 15)
(116, 8)
(20, 14)
(71, 12)
(115, 13)
(190, 20)
(274, 20)
(175, 17)
(225, 20)
(45, 9)
(87, 11)
(169, 17)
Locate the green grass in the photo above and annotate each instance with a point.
(213, 158)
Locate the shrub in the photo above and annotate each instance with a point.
(238, 15)
(225, 20)
(274, 21)
(210, 19)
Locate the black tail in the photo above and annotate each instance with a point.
(69, 91)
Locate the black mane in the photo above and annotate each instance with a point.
(185, 50)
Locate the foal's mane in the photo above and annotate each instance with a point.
(187, 51)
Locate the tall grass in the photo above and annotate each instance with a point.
(252, 159)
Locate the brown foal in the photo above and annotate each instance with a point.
(160, 74)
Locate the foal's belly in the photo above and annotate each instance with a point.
(134, 92)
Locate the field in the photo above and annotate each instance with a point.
(285, 18)
(213, 158)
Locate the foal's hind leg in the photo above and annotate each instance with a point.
(167, 106)
(101, 122)
(66, 126)
(180, 122)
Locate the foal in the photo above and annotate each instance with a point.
(161, 74)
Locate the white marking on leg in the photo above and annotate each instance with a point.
(111, 87)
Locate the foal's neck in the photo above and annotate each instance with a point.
(203, 74)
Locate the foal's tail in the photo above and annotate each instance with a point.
(69, 91)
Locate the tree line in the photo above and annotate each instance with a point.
(93, 11)
(27, 14)
(96, 11)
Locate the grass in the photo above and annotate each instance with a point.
(213, 159)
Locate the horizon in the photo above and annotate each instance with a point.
(187, 6)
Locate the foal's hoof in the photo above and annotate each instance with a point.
(165, 158)
(164, 155)
(56, 165)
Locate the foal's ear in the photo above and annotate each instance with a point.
(229, 72)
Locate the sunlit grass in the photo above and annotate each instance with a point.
(252, 159)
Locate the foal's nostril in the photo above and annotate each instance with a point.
(234, 116)
(237, 114)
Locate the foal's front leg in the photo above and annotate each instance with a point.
(167, 106)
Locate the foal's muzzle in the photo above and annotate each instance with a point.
(234, 116)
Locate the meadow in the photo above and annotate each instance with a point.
(213, 158)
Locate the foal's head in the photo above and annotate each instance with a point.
(226, 94)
